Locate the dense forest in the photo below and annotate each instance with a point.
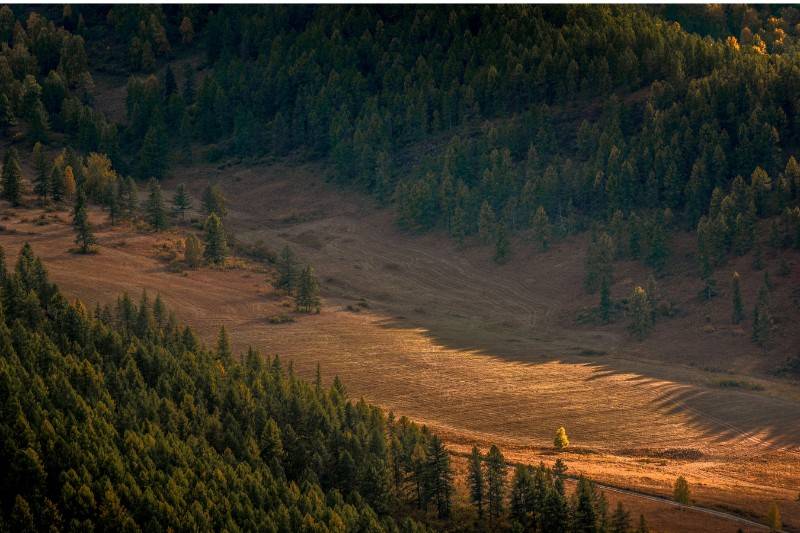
(120, 419)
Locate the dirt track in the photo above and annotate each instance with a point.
(478, 352)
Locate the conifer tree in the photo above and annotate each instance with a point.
(487, 223)
(84, 237)
(640, 313)
(214, 202)
(542, 230)
(307, 300)
(762, 317)
(495, 484)
(287, 271)
(57, 185)
(620, 520)
(458, 226)
(7, 118)
(561, 441)
(439, 477)
(681, 492)
(181, 202)
(154, 208)
(41, 182)
(599, 262)
(130, 196)
(192, 252)
(11, 178)
(502, 245)
(114, 210)
(154, 152)
(475, 477)
(584, 517)
(216, 246)
(605, 300)
(709, 283)
(738, 308)
(223, 346)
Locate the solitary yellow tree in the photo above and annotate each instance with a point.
(561, 441)
(681, 492)
(774, 518)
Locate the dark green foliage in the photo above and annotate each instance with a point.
(307, 299)
(439, 478)
(502, 246)
(84, 236)
(495, 484)
(287, 271)
(640, 313)
(153, 156)
(736, 296)
(475, 479)
(41, 182)
(599, 262)
(216, 244)
(762, 317)
(154, 209)
(11, 179)
(236, 447)
(181, 202)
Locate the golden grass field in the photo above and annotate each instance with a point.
(481, 353)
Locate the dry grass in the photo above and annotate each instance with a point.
(481, 353)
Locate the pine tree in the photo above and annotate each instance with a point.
(738, 308)
(224, 347)
(287, 271)
(599, 262)
(154, 152)
(214, 202)
(709, 283)
(131, 197)
(487, 223)
(114, 210)
(762, 317)
(41, 182)
(7, 118)
(502, 246)
(640, 313)
(561, 441)
(620, 520)
(57, 185)
(605, 301)
(154, 208)
(84, 237)
(475, 477)
(12, 178)
(192, 252)
(681, 492)
(438, 477)
(181, 202)
(542, 230)
(495, 484)
(458, 226)
(308, 292)
(584, 517)
(216, 246)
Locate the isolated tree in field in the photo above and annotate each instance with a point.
(620, 520)
(640, 313)
(680, 492)
(41, 181)
(475, 478)
(181, 202)
(154, 208)
(214, 201)
(84, 237)
(287, 271)
(216, 246)
(307, 299)
(12, 178)
(738, 308)
(762, 317)
(542, 230)
(774, 517)
(487, 223)
(502, 248)
(561, 441)
(495, 483)
(438, 477)
(192, 252)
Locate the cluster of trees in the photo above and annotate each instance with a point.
(301, 283)
(119, 418)
(534, 499)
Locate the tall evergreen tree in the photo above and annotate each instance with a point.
(681, 492)
(214, 201)
(11, 178)
(584, 515)
(181, 202)
(41, 182)
(495, 484)
(308, 292)
(640, 313)
(287, 271)
(84, 237)
(192, 252)
(502, 248)
(487, 223)
(154, 208)
(738, 308)
(475, 478)
(154, 154)
(216, 245)
(542, 230)
(762, 317)
(620, 520)
(439, 477)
